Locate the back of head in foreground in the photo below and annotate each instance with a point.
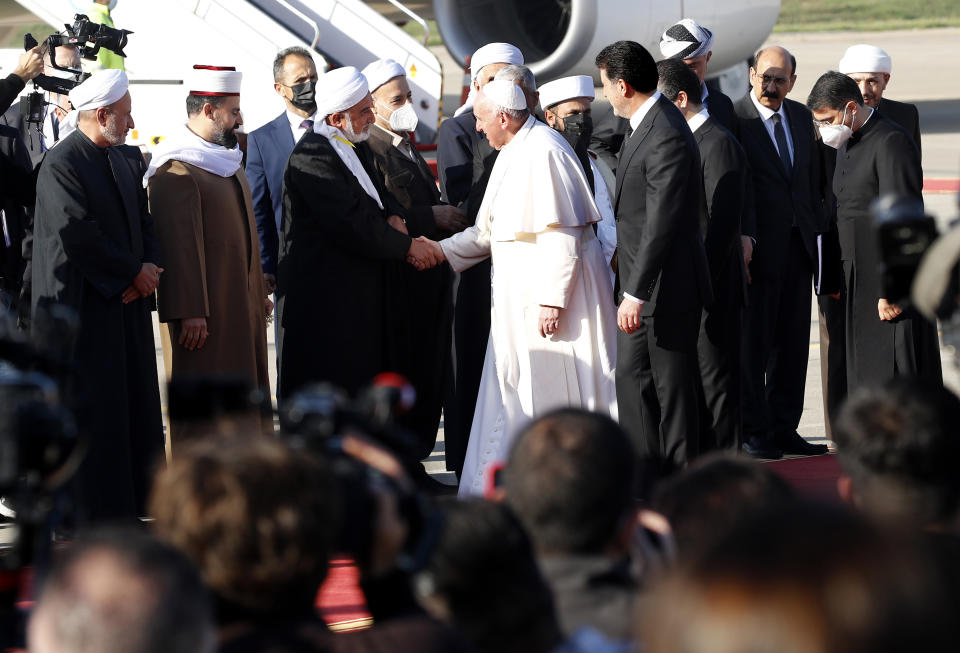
(484, 580)
(801, 579)
(122, 591)
(257, 518)
(570, 481)
(899, 445)
(706, 500)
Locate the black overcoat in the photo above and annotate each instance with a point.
(92, 233)
(336, 250)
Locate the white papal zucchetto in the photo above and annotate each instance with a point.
(505, 94)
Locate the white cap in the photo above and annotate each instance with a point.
(505, 94)
(566, 88)
(101, 89)
(865, 58)
(382, 71)
(214, 80)
(494, 53)
(340, 89)
(686, 39)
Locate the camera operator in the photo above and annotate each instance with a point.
(259, 519)
(23, 146)
(29, 66)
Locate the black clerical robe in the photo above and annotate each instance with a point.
(92, 233)
(336, 250)
(421, 301)
(880, 159)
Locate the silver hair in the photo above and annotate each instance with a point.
(520, 75)
(516, 114)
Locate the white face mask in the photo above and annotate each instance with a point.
(836, 135)
(404, 119)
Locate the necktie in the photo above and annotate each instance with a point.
(781, 137)
(307, 125)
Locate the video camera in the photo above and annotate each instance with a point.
(85, 35)
(39, 449)
(919, 267)
(317, 418)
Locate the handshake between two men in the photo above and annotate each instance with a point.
(425, 253)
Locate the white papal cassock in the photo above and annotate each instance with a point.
(535, 222)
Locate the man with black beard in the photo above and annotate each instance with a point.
(566, 108)
(212, 298)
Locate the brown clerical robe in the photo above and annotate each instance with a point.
(212, 269)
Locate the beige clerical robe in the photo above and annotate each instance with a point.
(211, 260)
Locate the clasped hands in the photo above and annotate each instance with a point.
(425, 253)
(144, 284)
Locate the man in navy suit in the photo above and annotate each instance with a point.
(269, 147)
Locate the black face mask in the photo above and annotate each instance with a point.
(304, 96)
(577, 130)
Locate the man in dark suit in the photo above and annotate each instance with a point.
(725, 172)
(777, 136)
(421, 301)
(870, 68)
(269, 147)
(464, 162)
(691, 43)
(662, 280)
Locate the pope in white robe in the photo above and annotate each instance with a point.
(549, 277)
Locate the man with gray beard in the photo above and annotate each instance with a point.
(341, 231)
(95, 252)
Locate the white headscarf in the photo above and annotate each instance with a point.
(187, 147)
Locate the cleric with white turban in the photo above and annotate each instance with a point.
(342, 238)
(342, 91)
(566, 107)
(96, 256)
(101, 89)
(382, 71)
(870, 68)
(491, 53)
(553, 330)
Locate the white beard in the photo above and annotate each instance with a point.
(352, 135)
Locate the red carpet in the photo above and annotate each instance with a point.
(812, 476)
(340, 600)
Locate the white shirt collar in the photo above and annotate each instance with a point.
(642, 112)
(697, 121)
(296, 120)
(765, 112)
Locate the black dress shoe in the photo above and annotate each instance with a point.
(762, 448)
(793, 443)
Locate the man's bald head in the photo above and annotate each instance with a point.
(123, 592)
(773, 75)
